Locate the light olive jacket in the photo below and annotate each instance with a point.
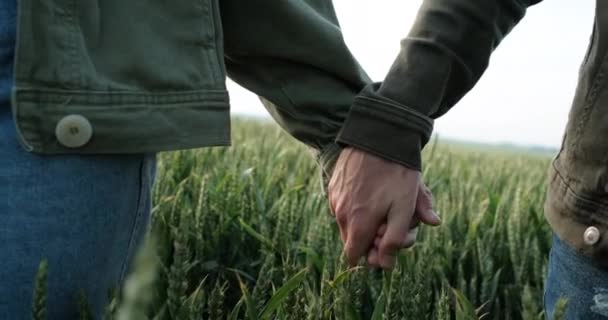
(117, 76)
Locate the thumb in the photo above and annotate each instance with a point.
(424, 207)
(428, 217)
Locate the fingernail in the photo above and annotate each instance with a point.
(372, 259)
(436, 214)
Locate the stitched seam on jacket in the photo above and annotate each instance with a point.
(410, 111)
(570, 192)
(71, 21)
(416, 122)
(111, 97)
(371, 149)
(590, 102)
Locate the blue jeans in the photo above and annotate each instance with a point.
(85, 214)
(575, 278)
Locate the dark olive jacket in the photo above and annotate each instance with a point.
(442, 58)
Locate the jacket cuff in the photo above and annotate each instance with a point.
(386, 128)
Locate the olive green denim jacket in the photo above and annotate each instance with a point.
(118, 76)
(445, 54)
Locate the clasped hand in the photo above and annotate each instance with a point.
(378, 205)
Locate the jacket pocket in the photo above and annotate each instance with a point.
(108, 45)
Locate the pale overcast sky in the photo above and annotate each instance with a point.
(524, 96)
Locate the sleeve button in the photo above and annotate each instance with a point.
(73, 131)
(591, 236)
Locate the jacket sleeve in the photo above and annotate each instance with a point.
(292, 54)
(444, 55)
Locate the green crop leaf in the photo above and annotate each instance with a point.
(249, 305)
(255, 234)
(280, 295)
(379, 307)
(464, 308)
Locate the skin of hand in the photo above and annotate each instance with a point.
(378, 205)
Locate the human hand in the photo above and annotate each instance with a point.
(424, 212)
(375, 202)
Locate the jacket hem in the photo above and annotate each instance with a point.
(124, 122)
(570, 214)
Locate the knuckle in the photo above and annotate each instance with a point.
(392, 244)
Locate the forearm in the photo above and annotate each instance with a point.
(292, 54)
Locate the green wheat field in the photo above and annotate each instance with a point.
(245, 233)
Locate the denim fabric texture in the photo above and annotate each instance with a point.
(576, 278)
(85, 214)
(8, 14)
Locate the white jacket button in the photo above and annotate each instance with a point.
(74, 131)
(591, 236)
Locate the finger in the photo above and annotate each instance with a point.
(389, 262)
(415, 223)
(429, 217)
(360, 237)
(399, 219)
(382, 229)
(424, 207)
(372, 258)
(377, 242)
(410, 239)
